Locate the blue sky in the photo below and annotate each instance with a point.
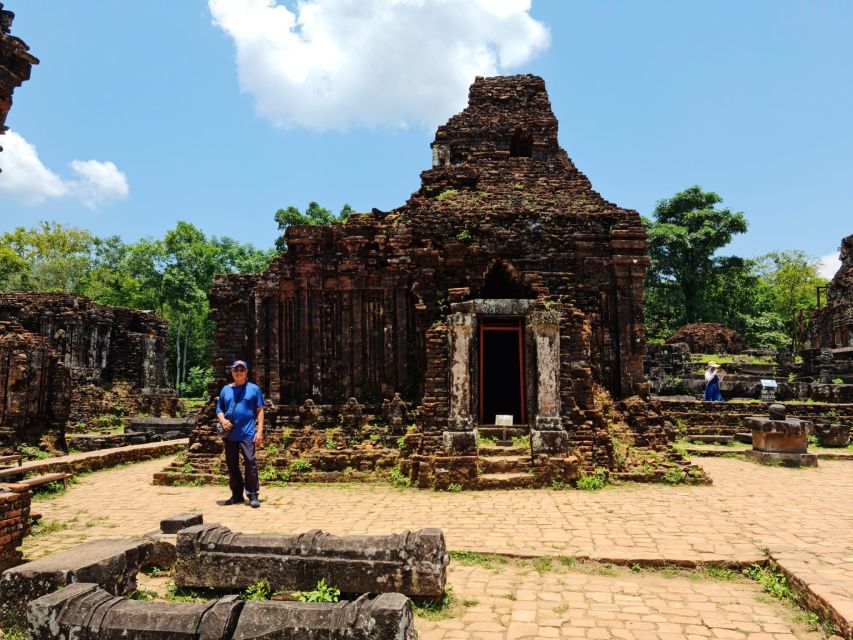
(752, 100)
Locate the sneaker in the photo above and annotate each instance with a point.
(254, 503)
(233, 500)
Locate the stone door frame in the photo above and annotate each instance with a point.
(541, 330)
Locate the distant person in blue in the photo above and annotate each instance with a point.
(713, 376)
(240, 411)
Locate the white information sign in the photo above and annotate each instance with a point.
(503, 421)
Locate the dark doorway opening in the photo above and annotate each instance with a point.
(501, 371)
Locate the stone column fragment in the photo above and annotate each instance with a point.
(413, 563)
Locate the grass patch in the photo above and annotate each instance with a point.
(44, 527)
(472, 558)
(543, 564)
(594, 481)
(434, 610)
(175, 593)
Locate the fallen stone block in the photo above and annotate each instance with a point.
(180, 521)
(85, 611)
(386, 617)
(412, 563)
(112, 564)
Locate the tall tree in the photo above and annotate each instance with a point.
(685, 234)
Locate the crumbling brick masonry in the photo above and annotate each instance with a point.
(505, 286)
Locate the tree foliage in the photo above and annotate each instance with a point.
(684, 236)
(171, 275)
(313, 214)
(689, 282)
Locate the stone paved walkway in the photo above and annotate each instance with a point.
(805, 514)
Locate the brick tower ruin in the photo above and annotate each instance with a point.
(65, 361)
(505, 286)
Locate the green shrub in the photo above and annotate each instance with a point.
(772, 581)
(299, 466)
(260, 590)
(464, 235)
(447, 193)
(196, 384)
(674, 476)
(322, 593)
(594, 481)
(454, 487)
(271, 450)
(32, 452)
(521, 441)
(269, 474)
(837, 381)
(398, 478)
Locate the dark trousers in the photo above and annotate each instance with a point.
(233, 450)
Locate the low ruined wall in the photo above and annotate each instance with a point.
(14, 525)
(728, 418)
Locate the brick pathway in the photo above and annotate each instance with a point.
(805, 515)
(512, 603)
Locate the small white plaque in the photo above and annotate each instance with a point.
(768, 384)
(503, 421)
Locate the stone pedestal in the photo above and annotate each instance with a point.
(833, 435)
(780, 440)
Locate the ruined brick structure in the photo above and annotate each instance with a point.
(830, 356)
(64, 358)
(504, 286)
(832, 324)
(14, 525)
(709, 337)
(15, 64)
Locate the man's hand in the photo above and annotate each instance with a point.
(226, 424)
(259, 438)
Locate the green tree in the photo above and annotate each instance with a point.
(791, 279)
(313, 214)
(47, 257)
(685, 234)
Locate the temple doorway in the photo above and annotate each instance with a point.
(501, 370)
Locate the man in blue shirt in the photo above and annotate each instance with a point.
(240, 411)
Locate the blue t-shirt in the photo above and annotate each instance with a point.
(239, 405)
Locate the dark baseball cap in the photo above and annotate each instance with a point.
(239, 363)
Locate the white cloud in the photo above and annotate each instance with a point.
(828, 265)
(25, 178)
(332, 63)
(101, 182)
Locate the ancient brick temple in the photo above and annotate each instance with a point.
(63, 358)
(15, 64)
(830, 356)
(505, 286)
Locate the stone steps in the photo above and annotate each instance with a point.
(505, 480)
(504, 464)
(492, 451)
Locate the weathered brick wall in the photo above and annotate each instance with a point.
(709, 337)
(832, 324)
(34, 388)
(14, 525)
(113, 358)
